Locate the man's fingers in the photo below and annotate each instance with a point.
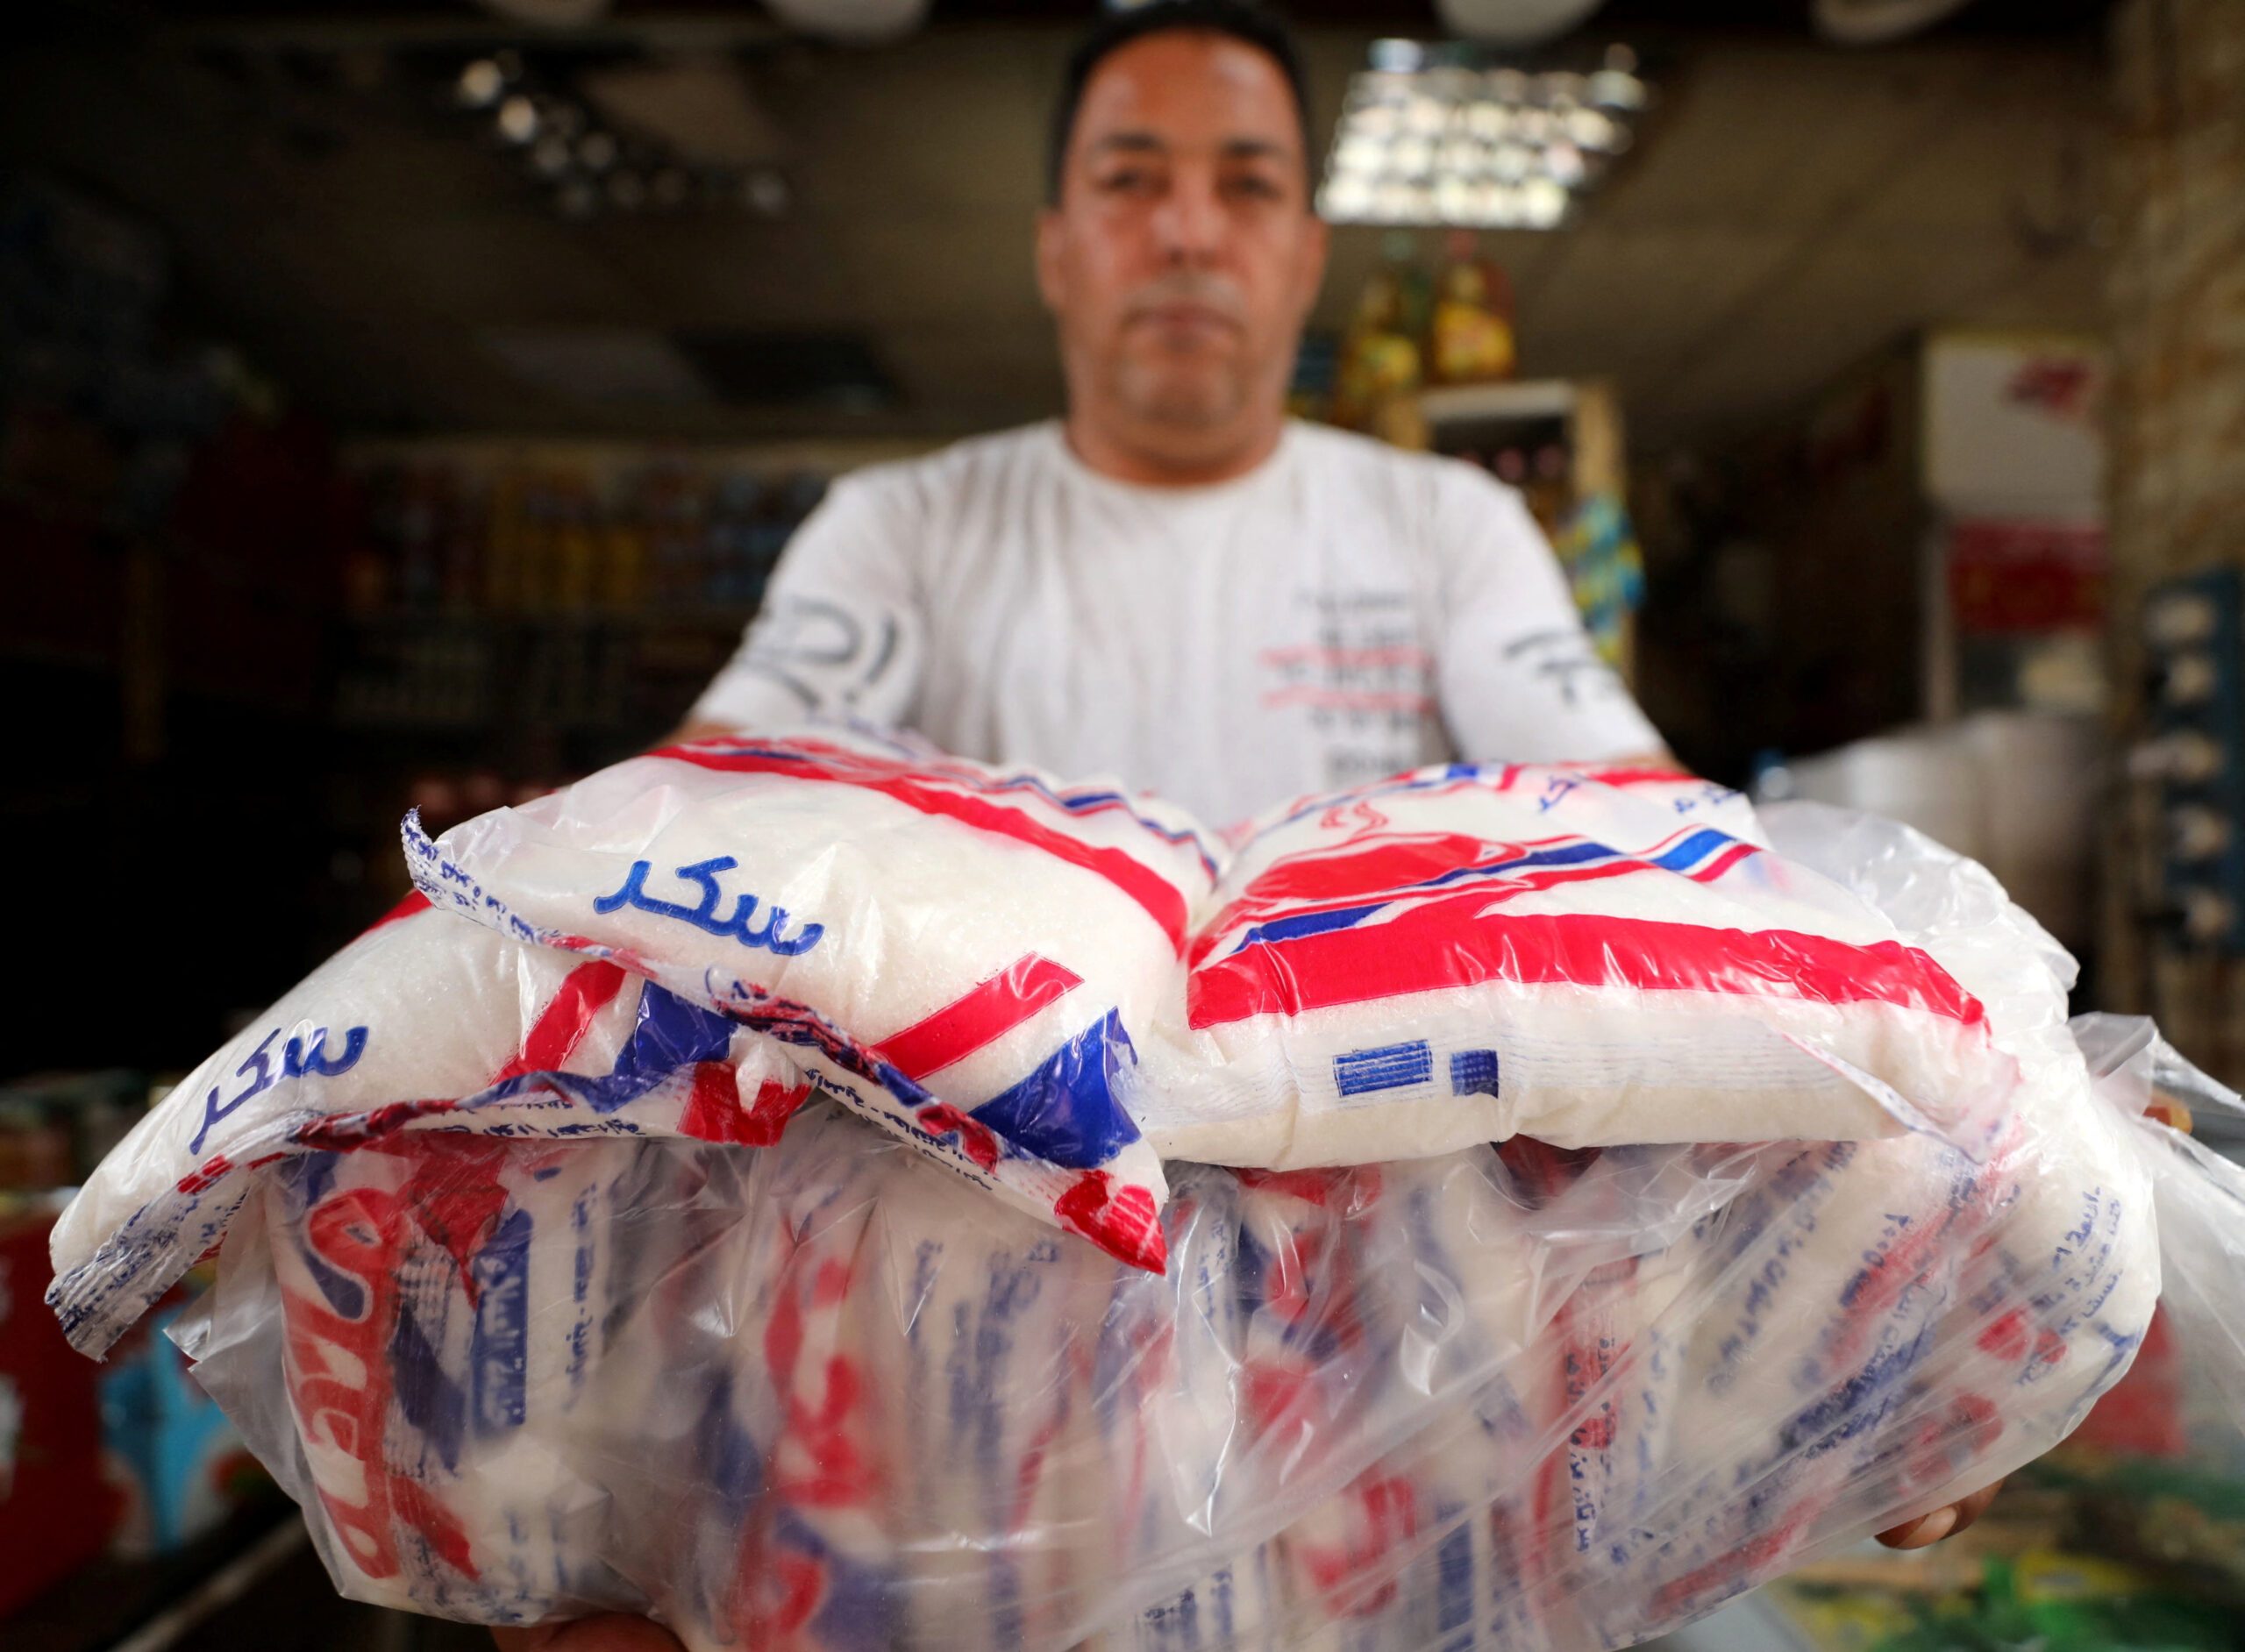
(1927, 1529)
(1975, 1505)
(1922, 1532)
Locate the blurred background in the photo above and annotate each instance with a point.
(405, 405)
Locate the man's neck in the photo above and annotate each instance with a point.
(1158, 464)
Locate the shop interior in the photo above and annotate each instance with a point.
(404, 406)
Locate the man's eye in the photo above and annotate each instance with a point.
(1257, 188)
(1130, 179)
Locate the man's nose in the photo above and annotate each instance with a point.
(1190, 223)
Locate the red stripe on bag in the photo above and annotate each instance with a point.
(1119, 1218)
(1455, 943)
(1723, 863)
(1679, 776)
(561, 1026)
(1161, 899)
(986, 1013)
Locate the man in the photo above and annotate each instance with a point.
(1175, 583)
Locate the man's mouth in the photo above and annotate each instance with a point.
(1194, 320)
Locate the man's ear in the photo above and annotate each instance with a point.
(1051, 283)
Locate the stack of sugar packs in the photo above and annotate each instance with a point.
(549, 1286)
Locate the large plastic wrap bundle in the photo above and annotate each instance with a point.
(825, 1395)
(1425, 1404)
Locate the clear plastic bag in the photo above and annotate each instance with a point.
(825, 1395)
(820, 1397)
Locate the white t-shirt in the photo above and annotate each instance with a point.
(1344, 611)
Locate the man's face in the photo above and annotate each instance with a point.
(1182, 258)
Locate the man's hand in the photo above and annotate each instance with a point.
(1941, 1522)
(612, 1633)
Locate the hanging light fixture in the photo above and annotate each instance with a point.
(588, 169)
(1431, 135)
(1514, 23)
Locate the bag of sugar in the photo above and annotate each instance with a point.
(1467, 953)
(426, 1022)
(965, 954)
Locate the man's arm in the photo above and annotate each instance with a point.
(1519, 678)
(842, 628)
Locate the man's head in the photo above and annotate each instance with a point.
(1178, 250)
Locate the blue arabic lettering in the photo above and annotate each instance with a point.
(212, 1112)
(704, 915)
(1556, 787)
(294, 1064)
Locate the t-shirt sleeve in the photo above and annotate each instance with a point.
(1520, 680)
(841, 630)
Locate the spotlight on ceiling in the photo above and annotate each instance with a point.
(1436, 135)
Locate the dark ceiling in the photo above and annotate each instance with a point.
(1791, 208)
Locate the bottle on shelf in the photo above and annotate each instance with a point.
(1469, 333)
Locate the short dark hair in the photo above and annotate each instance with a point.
(1238, 18)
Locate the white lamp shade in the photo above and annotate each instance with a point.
(862, 22)
(1512, 22)
(1876, 22)
(549, 14)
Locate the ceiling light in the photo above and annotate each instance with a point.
(1430, 135)
(596, 152)
(1359, 154)
(518, 119)
(584, 167)
(481, 83)
(576, 199)
(551, 158)
(1591, 129)
(764, 191)
(1487, 120)
(1616, 86)
(1542, 203)
(1346, 198)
